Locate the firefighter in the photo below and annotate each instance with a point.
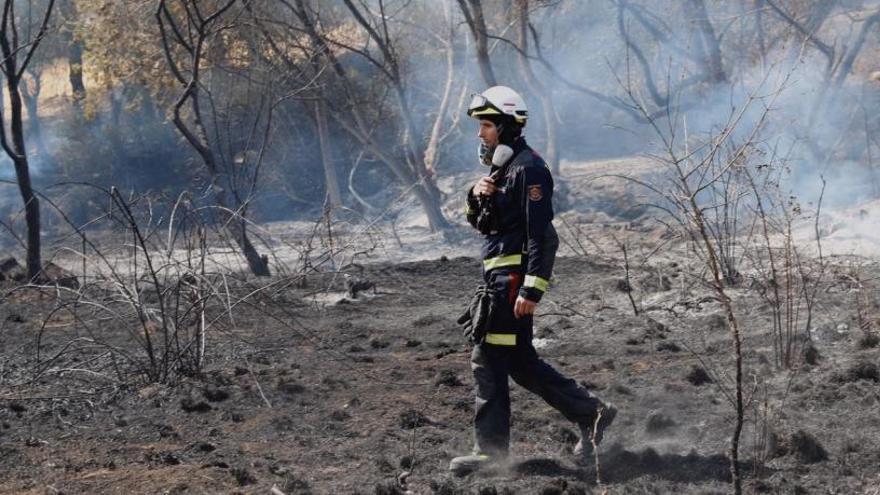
(512, 208)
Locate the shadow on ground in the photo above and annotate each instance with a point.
(618, 465)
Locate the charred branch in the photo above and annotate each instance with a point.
(808, 32)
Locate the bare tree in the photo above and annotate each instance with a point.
(410, 169)
(696, 167)
(17, 55)
(437, 136)
(840, 55)
(301, 74)
(703, 55)
(186, 32)
(376, 25)
(476, 21)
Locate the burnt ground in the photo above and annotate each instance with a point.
(310, 395)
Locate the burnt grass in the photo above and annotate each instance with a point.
(374, 395)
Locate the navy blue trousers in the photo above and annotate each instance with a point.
(493, 363)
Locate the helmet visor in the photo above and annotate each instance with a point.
(477, 101)
(480, 105)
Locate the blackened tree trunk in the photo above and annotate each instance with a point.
(17, 54)
(18, 153)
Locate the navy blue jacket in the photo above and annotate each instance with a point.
(525, 239)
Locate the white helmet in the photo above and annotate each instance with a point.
(500, 101)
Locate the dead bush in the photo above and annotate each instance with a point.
(698, 376)
(863, 371)
(413, 419)
(868, 341)
(807, 449)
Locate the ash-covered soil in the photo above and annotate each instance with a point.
(309, 392)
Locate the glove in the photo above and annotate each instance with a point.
(487, 218)
(477, 317)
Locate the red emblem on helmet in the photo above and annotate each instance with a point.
(535, 193)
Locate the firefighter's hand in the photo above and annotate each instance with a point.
(485, 187)
(524, 307)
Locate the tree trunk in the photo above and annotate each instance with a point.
(428, 197)
(432, 149)
(759, 29)
(231, 213)
(411, 170)
(231, 208)
(846, 63)
(35, 129)
(712, 62)
(431, 205)
(237, 226)
(535, 86)
(114, 137)
(74, 52)
(22, 173)
(16, 149)
(416, 162)
(75, 70)
(334, 196)
(476, 21)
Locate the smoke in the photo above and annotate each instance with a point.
(815, 127)
(582, 43)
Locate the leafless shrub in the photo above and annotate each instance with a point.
(706, 195)
(156, 289)
(866, 306)
(573, 237)
(159, 277)
(787, 280)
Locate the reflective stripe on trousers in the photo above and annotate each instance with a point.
(501, 338)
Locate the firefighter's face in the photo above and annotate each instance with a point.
(488, 133)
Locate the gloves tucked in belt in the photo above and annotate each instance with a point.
(478, 315)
